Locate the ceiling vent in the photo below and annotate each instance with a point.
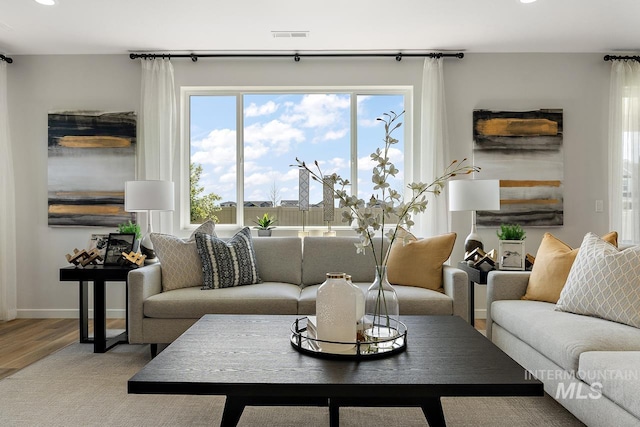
(290, 34)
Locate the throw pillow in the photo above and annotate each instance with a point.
(228, 263)
(551, 269)
(418, 262)
(179, 259)
(604, 282)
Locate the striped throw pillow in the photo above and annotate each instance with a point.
(228, 263)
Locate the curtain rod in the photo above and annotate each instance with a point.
(613, 58)
(6, 59)
(296, 56)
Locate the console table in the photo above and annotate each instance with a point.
(99, 275)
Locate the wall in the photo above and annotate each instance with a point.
(39, 84)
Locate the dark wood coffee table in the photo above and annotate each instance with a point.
(250, 360)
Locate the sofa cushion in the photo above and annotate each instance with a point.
(418, 262)
(228, 263)
(279, 259)
(616, 374)
(551, 268)
(326, 254)
(604, 282)
(560, 336)
(179, 258)
(193, 303)
(413, 300)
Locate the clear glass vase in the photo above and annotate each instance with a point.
(382, 310)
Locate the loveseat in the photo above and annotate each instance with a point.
(588, 364)
(291, 270)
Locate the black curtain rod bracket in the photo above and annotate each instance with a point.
(6, 59)
(624, 58)
(296, 56)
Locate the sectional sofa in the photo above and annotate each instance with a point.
(588, 364)
(291, 270)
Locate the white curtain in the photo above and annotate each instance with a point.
(432, 154)
(158, 136)
(624, 151)
(8, 266)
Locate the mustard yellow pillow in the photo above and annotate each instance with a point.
(419, 261)
(551, 268)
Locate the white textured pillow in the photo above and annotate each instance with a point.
(179, 259)
(604, 282)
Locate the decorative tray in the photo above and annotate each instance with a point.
(303, 339)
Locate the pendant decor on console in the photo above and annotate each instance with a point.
(386, 212)
(336, 314)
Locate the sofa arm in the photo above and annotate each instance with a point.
(143, 282)
(456, 285)
(504, 285)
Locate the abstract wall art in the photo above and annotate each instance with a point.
(524, 150)
(91, 155)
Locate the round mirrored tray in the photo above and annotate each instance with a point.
(303, 339)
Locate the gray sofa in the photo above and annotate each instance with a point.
(291, 270)
(590, 365)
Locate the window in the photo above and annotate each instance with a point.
(242, 145)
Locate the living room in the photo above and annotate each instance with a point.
(559, 73)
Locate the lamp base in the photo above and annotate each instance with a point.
(472, 242)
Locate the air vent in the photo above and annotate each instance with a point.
(290, 34)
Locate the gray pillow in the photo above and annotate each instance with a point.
(227, 263)
(179, 259)
(603, 282)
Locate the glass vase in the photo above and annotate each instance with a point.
(382, 310)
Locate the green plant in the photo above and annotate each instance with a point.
(265, 222)
(511, 232)
(129, 228)
(203, 207)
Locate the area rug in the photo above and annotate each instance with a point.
(75, 387)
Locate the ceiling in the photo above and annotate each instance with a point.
(121, 26)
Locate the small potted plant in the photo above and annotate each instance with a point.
(512, 254)
(265, 224)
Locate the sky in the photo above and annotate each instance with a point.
(280, 127)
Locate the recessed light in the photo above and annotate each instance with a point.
(47, 2)
(527, 1)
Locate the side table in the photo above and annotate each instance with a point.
(99, 275)
(475, 276)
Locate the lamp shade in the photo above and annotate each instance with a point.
(474, 195)
(143, 196)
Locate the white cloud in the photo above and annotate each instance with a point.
(217, 149)
(369, 123)
(335, 134)
(254, 110)
(271, 137)
(318, 110)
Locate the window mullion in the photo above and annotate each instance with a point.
(240, 158)
(354, 143)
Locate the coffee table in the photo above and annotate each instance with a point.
(250, 360)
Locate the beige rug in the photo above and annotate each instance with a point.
(75, 387)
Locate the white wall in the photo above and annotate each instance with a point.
(578, 83)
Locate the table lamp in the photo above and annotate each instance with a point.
(148, 196)
(474, 195)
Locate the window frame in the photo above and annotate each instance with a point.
(239, 91)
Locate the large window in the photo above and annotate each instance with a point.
(242, 145)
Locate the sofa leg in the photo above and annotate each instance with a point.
(154, 350)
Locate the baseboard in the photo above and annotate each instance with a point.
(480, 314)
(64, 314)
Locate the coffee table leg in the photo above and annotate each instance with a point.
(334, 414)
(432, 409)
(233, 409)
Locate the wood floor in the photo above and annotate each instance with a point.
(25, 341)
